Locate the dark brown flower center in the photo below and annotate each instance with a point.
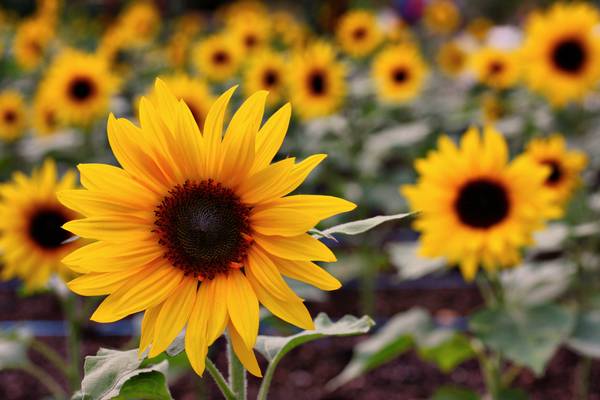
(270, 78)
(250, 41)
(400, 75)
(220, 57)
(569, 55)
(10, 116)
(482, 203)
(556, 172)
(81, 89)
(496, 67)
(317, 83)
(203, 228)
(45, 228)
(359, 33)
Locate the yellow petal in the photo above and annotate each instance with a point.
(282, 221)
(320, 207)
(196, 345)
(213, 130)
(302, 247)
(88, 203)
(267, 183)
(242, 306)
(111, 228)
(300, 172)
(307, 272)
(148, 325)
(106, 257)
(102, 283)
(244, 354)
(270, 137)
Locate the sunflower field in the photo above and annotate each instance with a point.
(392, 199)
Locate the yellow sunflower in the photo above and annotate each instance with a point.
(30, 42)
(287, 29)
(561, 52)
(316, 81)
(452, 59)
(477, 208)
(217, 57)
(495, 67)
(250, 31)
(32, 240)
(358, 33)
(266, 71)
(441, 17)
(45, 113)
(479, 28)
(13, 118)
(140, 23)
(566, 165)
(81, 85)
(196, 229)
(399, 73)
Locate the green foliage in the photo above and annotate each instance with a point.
(454, 393)
(585, 339)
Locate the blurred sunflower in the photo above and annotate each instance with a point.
(81, 85)
(479, 28)
(452, 59)
(45, 113)
(441, 17)
(266, 71)
(178, 49)
(495, 67)
(566, 165)
(477, 208)
(287, 29)
(32, 240)
(399, 32)
(251, 31)
(13, 118)
(113, 47)
(399, 73)
(358, 33)
(561, 52)
(140, 23)
(30, 42)
(195, 229)
(316, 81)
(217, 57)
(493, 107)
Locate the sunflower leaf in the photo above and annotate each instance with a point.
(585, 338)
(360, 226)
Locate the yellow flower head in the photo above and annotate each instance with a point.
(399, 73)
(140, 23)
(441, 17)
(475, 207)
(561, 52)
(266, 71)
(495, 67)
(196, 228)
(30, 42)
(452, 59)
(217, 57)
(479, 28)
(13, 115)
(32, 240)
(250, 31)
(81, 85)
(288, 30)
(316, 80)
(566, 165)
(358, 33)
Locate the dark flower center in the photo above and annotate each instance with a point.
(270, 78)
(317, 83)
(10, 116)
(50, 118)
(496, 67)
(220, 57)
(482, 203)
(81, 89)
(250, 41)
(203, 228)
(359, 33)
(400, 75)
(569, 56)
(45, 228)
(556, 172)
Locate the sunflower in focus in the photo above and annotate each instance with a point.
(399, 73)
(477, 208)
(13, 118)
(266, 71)
(196, 229)
(452, 59)
(32, 240)
(140, 23)
(45, 113)
(561, 52)
(217, 57)
(495, 67)
(565, 165)
(250, 31)
(358, 33)
(441, 17)
(81, 85)
(316, 81)
(30, 42)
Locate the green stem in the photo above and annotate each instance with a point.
(50, 354)
(510, 375)
(490, 369)
(45, 379)
(73, 341)
(583, 379)
(237, 373)
(219, 380)
(265, 385)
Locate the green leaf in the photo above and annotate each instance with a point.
(148, 386)
(512, 394)
(538, 283)
(454, 393)
(361, 226)
(528, 336)
(450, 353)
(107, 373)
(585, 338)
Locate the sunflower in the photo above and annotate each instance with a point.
(566, 165)
(476, 207)
(250, 31)
(561, 52)
(217, 57)
(140, 23)
(316, 80)
(266, 71)
(452, 58)
(358, 33)
(81, 85)
(12, 115)
(399, 73)
(441, 17)
(45, 113)
(287, 29)
(30, 42)
(196, 228)
(494, 67)
(32, 240)
(479, 28)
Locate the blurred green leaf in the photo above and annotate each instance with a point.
(450, 353)
(148, 386)
(528, 336)
(585, 338)
(454, 393)
(361, 226)
(512, 394)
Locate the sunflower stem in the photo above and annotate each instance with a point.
(73, 341)
(265, 385)
(51, 355)
(45, 379)
(219, 380)
(237, 373)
